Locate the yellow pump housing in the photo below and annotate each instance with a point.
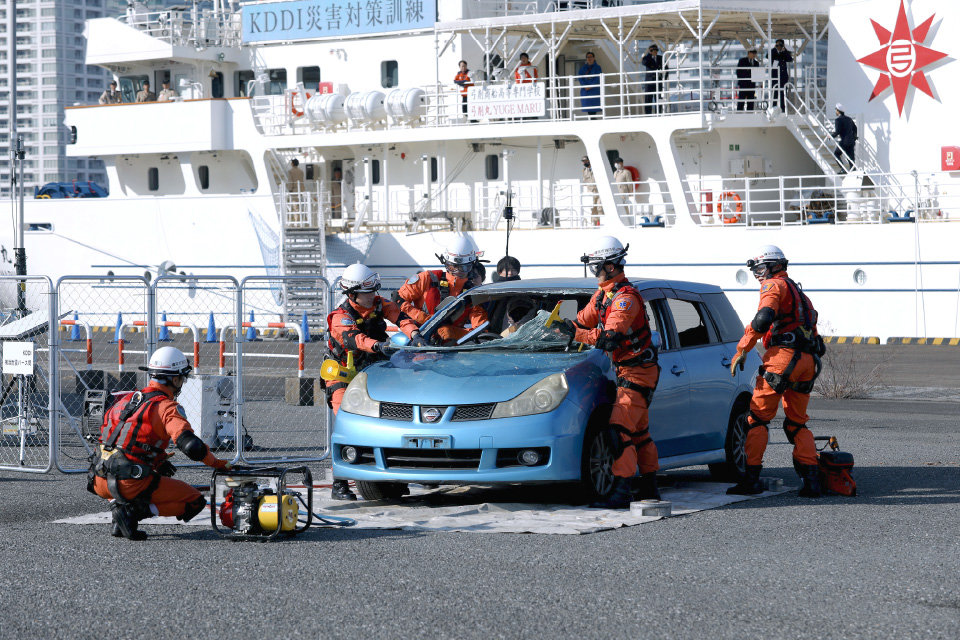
(267, 513)
(333, 371)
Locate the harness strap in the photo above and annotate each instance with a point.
(757, 422)
(646, 392)
(792, 428)
(647, 356)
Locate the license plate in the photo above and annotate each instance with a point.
(426, 442)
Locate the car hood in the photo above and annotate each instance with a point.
(465, 377)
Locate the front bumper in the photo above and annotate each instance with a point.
(474, 448)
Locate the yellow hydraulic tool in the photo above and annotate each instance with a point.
(333, 371)
(554, 316)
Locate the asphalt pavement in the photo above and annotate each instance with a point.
(883, 564)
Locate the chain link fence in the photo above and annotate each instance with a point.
(27, 416)
(284, 410)
(99, 357)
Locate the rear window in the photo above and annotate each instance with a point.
(728, 322)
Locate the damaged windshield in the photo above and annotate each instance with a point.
(514, 322)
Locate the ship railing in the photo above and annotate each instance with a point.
(300, 204)
(183, 27)
(499, 8)
(855, 198)
(644, 203)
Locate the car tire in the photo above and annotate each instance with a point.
(382, 490)
(735, 465)
(596, 467)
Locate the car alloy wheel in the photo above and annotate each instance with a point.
(738, 443)
(600, 463)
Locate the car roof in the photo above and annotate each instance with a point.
(590, 284)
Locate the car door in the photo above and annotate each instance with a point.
(707, 361)
(668, 410)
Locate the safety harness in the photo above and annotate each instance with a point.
(634, 348)
(124, 453)
(795, 329)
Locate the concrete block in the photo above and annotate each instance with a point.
(303, 392)
(93, 379)
(125, 381)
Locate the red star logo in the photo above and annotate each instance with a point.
(902, 58)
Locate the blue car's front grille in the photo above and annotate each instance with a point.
(391, 411)
(432, 458)
(468, 412)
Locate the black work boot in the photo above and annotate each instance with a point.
(341, 491)
(619, 498)
(749, 484)
(125, 522)
(810, 474)
(647, 487)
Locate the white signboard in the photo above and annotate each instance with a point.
(18, 358)
(510, 100)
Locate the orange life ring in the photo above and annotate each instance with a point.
(729, 195)
(634, 173)
(293, 107)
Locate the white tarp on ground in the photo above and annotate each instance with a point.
(485, 510)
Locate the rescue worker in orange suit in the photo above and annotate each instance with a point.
(131, 465)
(787, 323)
(615, 320)
(422, 293)
(360, 325)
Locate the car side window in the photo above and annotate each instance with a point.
(655, 314)
(693, 328)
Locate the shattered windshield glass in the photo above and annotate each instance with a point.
(532, 335)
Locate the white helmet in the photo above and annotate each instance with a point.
(768, 260)
(460, 254)
(607, 250)
(167, 361)
(359, 278)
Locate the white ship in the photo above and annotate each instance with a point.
(395, 161)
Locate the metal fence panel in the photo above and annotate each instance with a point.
(282, 406)
(98, 356)
(198, 315)
(28, 419)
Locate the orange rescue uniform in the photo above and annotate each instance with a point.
(619, 308)
(167, 423)
(355, 328)
(775, 293)
(423, 292)
(526, 73)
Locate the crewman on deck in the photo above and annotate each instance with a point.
(464, 81)
(360, 325)
(111, 95)
(525, 72)
(787, 323)
(615, 320)
(131, 465)
(145, 95)
(421, 294)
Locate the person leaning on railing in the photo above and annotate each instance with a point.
(464, 81)
(145, 95)
(653, 62)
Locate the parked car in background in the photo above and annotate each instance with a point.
(528, 408)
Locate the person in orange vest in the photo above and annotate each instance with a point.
(421, 294)
(464, 81)
(787, 323)
(131, 466)
(525, 71)
(360, 325)
(615, 320)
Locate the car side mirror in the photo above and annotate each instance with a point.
(655, 340)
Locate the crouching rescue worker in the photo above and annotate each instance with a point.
(422, 293)
(615, 320)
(131, 465)
(787, 323)
(360, 325)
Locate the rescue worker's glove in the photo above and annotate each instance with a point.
(167, 469)
(418, 341)
(566, 327)
(738, 360)
(609, 340)
(382, 348)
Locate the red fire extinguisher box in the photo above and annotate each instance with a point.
(950, 158)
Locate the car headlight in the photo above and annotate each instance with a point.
(542, 397)
(357, 400)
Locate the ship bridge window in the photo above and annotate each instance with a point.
(130, 85)
(389, 74)
(276, 82)
(203, 173)
(153, 179)
(309, 76)
(375, 171)
(240, 81)
(492, 165)
(433, 169)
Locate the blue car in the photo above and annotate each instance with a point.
(514, 402)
